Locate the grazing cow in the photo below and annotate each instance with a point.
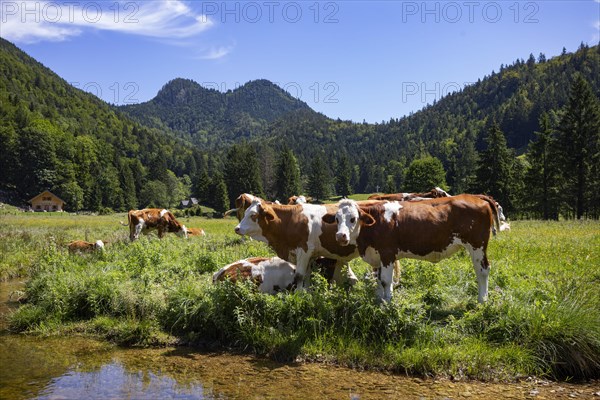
(196, 232)
(271, 275)
(81, 246)
(142, 221)
(432, 194)
(297, 234)
(426, 230)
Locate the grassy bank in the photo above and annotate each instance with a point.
(542, 317)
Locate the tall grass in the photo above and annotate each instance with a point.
(541, 318)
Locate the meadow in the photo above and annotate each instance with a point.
(542, 317)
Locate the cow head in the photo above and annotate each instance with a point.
(256, 214)
(182, 232)
(99, 245)
(349, 218)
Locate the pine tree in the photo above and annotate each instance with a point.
(541, 180)
(319, 179)
(343, 176)
(218, 198)
(494, 168)
(287, 179)
(242, 173)
(578, 141)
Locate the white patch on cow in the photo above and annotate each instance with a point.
(301, 200)
(248, 226)
(163, 212)
(504, 226)
(99, 245)
(391, 209)
(481, 271)
(276, 274)
(442, 192)
(183, 232)
(372, 257)
(347, 218)
(139, 228)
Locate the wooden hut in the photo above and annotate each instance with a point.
(47, 201)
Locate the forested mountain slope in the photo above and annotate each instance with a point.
(54, 136)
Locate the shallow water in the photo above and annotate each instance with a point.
(81, 368)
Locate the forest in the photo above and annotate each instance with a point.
(527, 134)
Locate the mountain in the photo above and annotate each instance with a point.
(54, 136)
(209, 117)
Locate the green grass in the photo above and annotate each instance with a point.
(541, 319)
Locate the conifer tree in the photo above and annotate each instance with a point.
(343, 176)
(319, 179)
(424, 174)
(242, 173)
(287, 179)
(578, 141)
(494, 168)
(541, 180)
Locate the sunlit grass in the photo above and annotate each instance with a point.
(542, 316)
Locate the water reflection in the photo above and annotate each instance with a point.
(113, 381)
(82, 368)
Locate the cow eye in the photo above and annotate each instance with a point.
(352, 220)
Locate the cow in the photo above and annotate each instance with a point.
(242, 202)
(271, 275)
(81, 246)
(196, 232)
(297, 200)
(432, 194)
(427, 230)
(142, 221)
(296, 234)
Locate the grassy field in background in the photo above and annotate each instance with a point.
(541, 319)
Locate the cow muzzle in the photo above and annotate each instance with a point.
(342, 238)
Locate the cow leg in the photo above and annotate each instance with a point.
(302, 269)
(340, 278)
(138, 230)
(385, 278)
(482, 271)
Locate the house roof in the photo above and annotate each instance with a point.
(43, 193)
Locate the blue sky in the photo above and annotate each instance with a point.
(353, 60)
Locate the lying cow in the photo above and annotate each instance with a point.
(81, 246)
(143, 221)
(297, 234)
(427, 230)
(196, 232)
(434, 193)
(271, 275)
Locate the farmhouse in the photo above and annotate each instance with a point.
(47, 201)
(187, 203)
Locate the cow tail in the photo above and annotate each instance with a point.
(496, 216)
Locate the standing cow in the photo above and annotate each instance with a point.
(426, 230)
(143, 221)
(297, 234)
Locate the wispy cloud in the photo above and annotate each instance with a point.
(216, 53)
(35, 21)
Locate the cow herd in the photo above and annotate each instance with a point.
(381, 230)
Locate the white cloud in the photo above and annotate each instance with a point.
(216, 53)
(33, 21)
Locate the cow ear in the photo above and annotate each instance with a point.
(267, 212)
(329, 218)
(366, 219)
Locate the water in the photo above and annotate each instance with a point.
(82, 368)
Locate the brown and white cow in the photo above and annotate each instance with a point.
(432, 194)
(81, 246)
(271, 275)
(297, 234)
(143, 221)
(426, 230)
(298, 200)
(196, 232)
